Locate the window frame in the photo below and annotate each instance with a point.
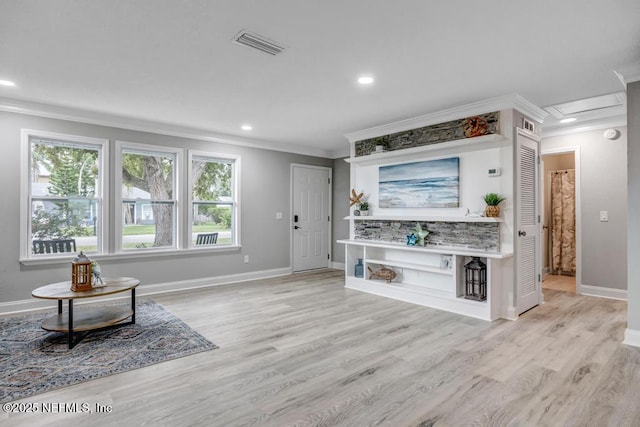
(121, 146)
(235, 195)
(26, 194)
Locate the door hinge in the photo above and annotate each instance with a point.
(538, 219)
(329, 256)
(329, 218)
(539, 278)
(328, 180)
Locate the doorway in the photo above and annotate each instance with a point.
(311, 217)
(560, 223)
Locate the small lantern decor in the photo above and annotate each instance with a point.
(81, 273)
(475, 280)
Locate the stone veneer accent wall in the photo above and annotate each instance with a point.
(467, 235)
(483, 124)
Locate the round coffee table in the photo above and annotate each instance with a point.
(91, 318)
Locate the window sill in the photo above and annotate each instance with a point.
(158, 253)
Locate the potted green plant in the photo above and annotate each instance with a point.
(364, 208)
(493, 200)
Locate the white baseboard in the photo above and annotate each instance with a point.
(34, 304)
(631, 337)
(337, 265)
(599, 291)
(510, 314)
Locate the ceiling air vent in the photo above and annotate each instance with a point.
(260, 43)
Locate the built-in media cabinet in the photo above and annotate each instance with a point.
(433, 277)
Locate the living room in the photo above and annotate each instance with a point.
(83, 79)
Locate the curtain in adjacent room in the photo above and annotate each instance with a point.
(563, 222)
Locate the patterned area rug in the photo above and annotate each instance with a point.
(33, 360)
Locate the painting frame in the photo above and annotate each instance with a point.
(424, 184)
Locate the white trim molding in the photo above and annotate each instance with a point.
(514, 101)
(602, 292)
(19, 106)
(21, 306)
(631, 337)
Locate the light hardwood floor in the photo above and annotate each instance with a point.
(559, 283)
(302, 350)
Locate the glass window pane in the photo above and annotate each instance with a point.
(147, 176)
(148, 208)
(56, 220)
(64, 170)
(147, 224)
(212, 180)
(211, 218)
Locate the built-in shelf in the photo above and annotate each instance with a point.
(478, 142)
(429, 276)
(412, 266)
(423, 218)
(429, 249)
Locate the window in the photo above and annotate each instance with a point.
(213, 198)
(65, 187)
(148, 202)
(66, 204)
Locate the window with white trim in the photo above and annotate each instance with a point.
(65, 189)
(213, 199)
(147, 180)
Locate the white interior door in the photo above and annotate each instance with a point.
(311, 217)
(528, 277)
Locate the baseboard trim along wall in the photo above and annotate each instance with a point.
(631, 337)
(21, 306)
(599, 291)
(337, 265)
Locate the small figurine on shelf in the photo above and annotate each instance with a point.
(97, 279)
(420, 234)
(412, 239)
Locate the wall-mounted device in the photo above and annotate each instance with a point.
(495, 172)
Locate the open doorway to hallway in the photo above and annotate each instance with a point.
(559, 234)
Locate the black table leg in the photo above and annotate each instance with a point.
(133, 305)
(70, 323)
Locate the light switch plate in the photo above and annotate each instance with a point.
(604, 216)
(278, 215)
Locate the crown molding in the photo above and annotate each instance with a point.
(586, 126)
(505, 102)
(19, 106)
(628, 74)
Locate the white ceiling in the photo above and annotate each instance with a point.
(173, 62)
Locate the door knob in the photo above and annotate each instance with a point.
(295, 227)
(522, 233)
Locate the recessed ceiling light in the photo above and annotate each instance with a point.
(365, 80)
(247, 127)
(7, 83)
(568, 120)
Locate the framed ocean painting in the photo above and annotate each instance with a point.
(428, 184)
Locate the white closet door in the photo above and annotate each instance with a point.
(527, 221)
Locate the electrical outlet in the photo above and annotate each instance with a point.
(246, 259)
(278, 215)
(604, 216)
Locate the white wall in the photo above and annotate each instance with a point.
(474, 183)
(265, 187)
(603, 171)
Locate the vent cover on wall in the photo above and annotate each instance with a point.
(258, 42)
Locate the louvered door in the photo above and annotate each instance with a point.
(527, 221)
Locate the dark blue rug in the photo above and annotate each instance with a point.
(34, 361)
